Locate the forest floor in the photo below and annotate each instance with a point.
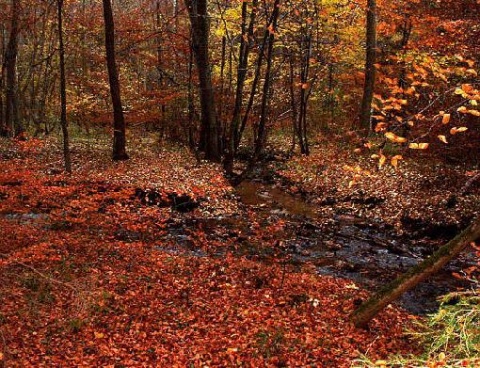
(109, 267)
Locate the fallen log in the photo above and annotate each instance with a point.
(369, 309)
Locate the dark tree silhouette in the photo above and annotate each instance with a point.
(119, 139)
(371, 54)
(210, 131)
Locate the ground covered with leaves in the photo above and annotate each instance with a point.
(102, 268)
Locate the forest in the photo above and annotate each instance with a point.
(233, 183)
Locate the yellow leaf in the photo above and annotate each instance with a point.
(395, 138)
(418, 146)
(473, 102)
(443, 138)
(472, 72)
(462, 109)
(459, 91)
(98, 335)
(474, 112)
(382, 160)
(446, 118)
(375, 156)
(456, 130)
(351, 183)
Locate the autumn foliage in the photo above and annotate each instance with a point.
(91, 276)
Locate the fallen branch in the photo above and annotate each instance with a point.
(415, 275)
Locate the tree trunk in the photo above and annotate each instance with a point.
(63, 90)
(415, 275)
(262, 125)
(11, 109)
(371, 52)
(119, 140)
(3, 127)
(234, 136)
(210, 130)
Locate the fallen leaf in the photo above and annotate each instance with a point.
(443, 139)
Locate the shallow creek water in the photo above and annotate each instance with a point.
(349, 247)
(342, 246)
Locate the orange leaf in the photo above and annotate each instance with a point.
(394, 160)
(446, 119)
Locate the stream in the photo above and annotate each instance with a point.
(275, 225)
(350, 248)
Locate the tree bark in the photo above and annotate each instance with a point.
(371, 54)
(63, 90)
(11, 109)
(210, 132)
(415, 275)
(119, 139)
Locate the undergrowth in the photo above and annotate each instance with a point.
(451, 336)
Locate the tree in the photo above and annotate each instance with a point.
(415, 275)
(210, 132)
(262, 125)
(12, 122)
(63, 89)
(243, 55)
(371, 52)
(119, 140)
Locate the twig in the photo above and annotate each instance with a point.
(37, 272)
(469, 183)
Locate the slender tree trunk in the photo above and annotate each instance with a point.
(3, 127)
(406, 32)
(210, 130)
(234, 135)
(119, 139)
(256, 78)
(415, 275)
(63, 90)
(191, 107)
(306, 49)
(262, 125)
(10, 59)
(293, 102)
(159, 40)
(371, 53)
